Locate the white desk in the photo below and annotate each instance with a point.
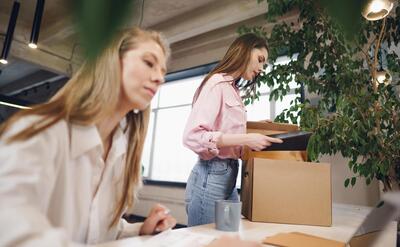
(346, 219)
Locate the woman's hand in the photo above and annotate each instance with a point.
(157, 221)
(258, 142)
(232, 242)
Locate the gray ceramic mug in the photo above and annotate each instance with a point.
(228, 215)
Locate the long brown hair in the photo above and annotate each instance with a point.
(236, 59)
(92, 94)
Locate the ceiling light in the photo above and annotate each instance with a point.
(36, 24)
(10, 32)
(32, 45)
(377, 9)
(14, 105)
(13, 102)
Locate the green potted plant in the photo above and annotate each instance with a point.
(354, 69)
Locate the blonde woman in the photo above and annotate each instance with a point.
(70, 167)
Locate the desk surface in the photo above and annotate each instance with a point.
(346, 219)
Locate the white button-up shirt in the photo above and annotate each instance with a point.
(56, 190)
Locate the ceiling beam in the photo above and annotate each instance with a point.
(210, 17)
(46, 59)
(211, 46)
(59, 31)
(43, 57)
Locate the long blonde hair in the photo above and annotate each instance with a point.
(236, 59)
(91, 95)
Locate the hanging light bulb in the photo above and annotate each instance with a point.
(32, 45)
(376, 6)
(10, 32)
(36, 24)
(377, 9)
(383, 76)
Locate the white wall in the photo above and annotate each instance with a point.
(360, 194)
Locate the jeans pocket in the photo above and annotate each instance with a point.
(219, 185)
(218, 168)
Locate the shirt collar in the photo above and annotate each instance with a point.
(85, 138)
(120, 142)
(228, 78)
(231, 80)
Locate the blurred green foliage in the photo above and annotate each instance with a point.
(98, 20)
(346, 14)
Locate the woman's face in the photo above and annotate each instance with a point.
(258, 58)
(143, 71)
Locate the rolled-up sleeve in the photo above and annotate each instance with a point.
(128, 229)
(199, 134)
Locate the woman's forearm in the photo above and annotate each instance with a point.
(255, 141)
(228, 140)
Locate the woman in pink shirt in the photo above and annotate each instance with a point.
(216, 128)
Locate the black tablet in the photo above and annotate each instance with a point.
(292, 141)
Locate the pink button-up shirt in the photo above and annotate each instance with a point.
(218, 110)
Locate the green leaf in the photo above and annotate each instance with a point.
(353, 181)
(355, 168)
(346, 182)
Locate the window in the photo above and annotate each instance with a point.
(264, 108)
(165, 158)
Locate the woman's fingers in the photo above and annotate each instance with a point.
(157, 214)
(149, 225)
(168, 223)
(261, 142)
(158, 207)
(267, 144)
(274, 140)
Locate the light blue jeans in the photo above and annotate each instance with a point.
(209, 181)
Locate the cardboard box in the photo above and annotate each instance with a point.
(281, 187)
(269, 128)
(298, 239)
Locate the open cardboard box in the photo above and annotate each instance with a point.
(281, 187)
